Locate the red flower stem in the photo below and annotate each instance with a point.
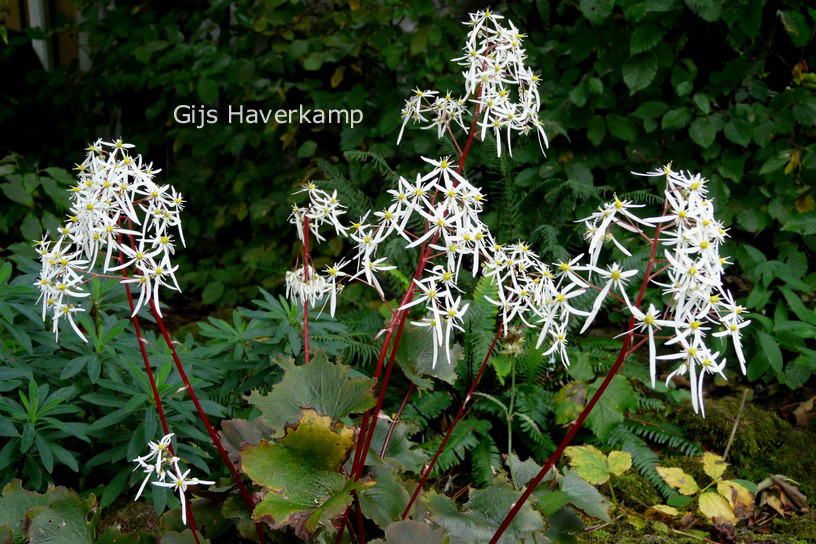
(159, 408)
(369, 422)
(305, 280)
(213, 435)
(588, 408)
(396, 420)
(429, 468)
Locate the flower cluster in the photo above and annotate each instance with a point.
(160, 463)
(691, 237)
(118, 216)
(450, 207)
(496, 80)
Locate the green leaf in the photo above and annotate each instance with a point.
(639, 71)
(415, 357)
(701, 100)
(596, 128)
(59, 516)
(776, 162)
(676, 118)
(704, 129)
(307, 150)
(596, 10)
(770, 350)
(301, 473)
(569, 401)
(207, 90)
(608, 412)
(16, 193)
(321, 385)
(621, 127)
(584, 496)
(60, 175)
(384, 502)
(739, 131)
(483, 513)
(212, 292)
(411, 532)
(708, 10)
(644, 38)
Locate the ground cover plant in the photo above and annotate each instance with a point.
(525, 304)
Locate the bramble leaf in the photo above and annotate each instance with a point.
(321, 385)
(678, 479)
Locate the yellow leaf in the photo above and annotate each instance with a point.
(716, 508)
(805, 203)
(740, 498)
(337, 77)
(795, 160)
(589, 463)
(664, 509)
(678, 479)
(619, 462)
(713, 465)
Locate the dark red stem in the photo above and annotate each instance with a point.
(585, 412)
(213, 435)
(396, 420)
(441, 447)
(305, 280)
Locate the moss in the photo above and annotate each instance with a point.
(802, 527)
(635, 491)
(763, 444)
(625, 533)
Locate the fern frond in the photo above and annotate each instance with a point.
(643, 458)
(485, 461)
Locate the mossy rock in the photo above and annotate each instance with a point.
(634, 491)
(763, 444)
(802, 528)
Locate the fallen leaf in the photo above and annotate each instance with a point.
(804, 412)
(716, 508)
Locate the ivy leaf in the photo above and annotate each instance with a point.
(596, 10)
(584, 496)
(713, 465)
(301, 472)
(678, 479)
(483, 513)
(639, 71)
(384, 502)
(321, 385)
(704, 129)
(415, 357)
(411, 532)
(716, 509)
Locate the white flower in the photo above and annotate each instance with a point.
(179, 482)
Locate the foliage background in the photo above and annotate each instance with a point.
(718, 87)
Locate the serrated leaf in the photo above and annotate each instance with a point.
(584, 496)
(596, 10)
(619, 462)
(412, 532)
(644, 38)
(678, 479)
(482, 514)
(704, 129)
(676, 118)
(639, 71)
(715, 508)
(415, 357)
(621, 127)
(569, 401)
(321, 385)
(302, 472)
(708, 10)
(589, 463)
(713, 465)
(738, 496)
